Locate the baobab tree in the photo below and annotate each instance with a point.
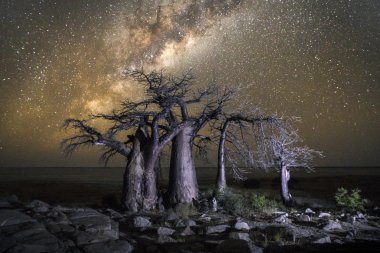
(146, 127)
(183, 187)
(149, 122)
(140, 149)
(177, 94)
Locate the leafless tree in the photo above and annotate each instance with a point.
(241, 150)
(146, 127)
(283, 143)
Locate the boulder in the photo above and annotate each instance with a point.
(236, 245)
(304, 218)
(38, 206)
(283, 218)
(332, 226)
(13, 217)
(324, 215)
(217, 229)
(309, 212)
(165, 231)
(241, 225)
(117, 246)
(141, 222)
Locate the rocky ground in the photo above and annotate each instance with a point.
(39, 227)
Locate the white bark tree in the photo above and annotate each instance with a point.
(286, 155)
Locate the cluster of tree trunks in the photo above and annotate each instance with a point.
(156, 125)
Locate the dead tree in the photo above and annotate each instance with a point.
(243, 151)
(287, 155)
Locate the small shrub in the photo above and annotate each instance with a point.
(262, 203)
(352, 201)
(247, 204)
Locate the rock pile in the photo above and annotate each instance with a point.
(38, 227)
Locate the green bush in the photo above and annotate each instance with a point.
(350, 200)
(247, 204)
(262, 203)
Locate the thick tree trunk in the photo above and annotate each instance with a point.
(183, 186)
(150, 180)
(221, 182)
(132, 196)
(285, 195)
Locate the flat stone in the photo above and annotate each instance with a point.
(13, 217)
(78, 213)
(170, 215)
(241, 225)
(165, 239)
(145, 240)
(82, 237)
(165, 231)
(187, 232)
(332, 226)
(113, 214)
(57, 228)
(238, 235)
(30, 236)
(93, 223)
(236, 245)
(217, 229)
(117, 246)
(323, 240)
(204, 218)
(38, 206)
(141, 222)
(185, 223)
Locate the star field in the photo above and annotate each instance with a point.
(315, 59)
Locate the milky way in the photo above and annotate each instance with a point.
(319, 60)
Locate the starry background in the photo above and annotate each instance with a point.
(319, 60)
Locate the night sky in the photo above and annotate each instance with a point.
(319, 60)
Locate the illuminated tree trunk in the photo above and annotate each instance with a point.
(132, 196)
(150, 180)
(285, 195)
(221, 182)
(183, 186)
